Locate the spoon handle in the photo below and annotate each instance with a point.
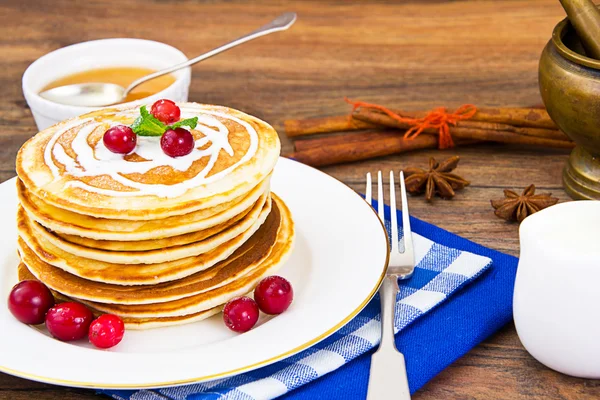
(281, 23)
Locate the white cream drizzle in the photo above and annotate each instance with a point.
(99, 160)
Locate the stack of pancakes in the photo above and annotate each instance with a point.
(156, 240)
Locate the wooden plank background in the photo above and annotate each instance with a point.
(406, 54)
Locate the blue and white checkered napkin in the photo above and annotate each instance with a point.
(440, 271)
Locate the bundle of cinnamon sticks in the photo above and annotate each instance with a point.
(369, 133)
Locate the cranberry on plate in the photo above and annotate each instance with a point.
(165, 111)
(177, 142)
(106, 331)
(120, 139)
(29, 301)
(240, 314)
(69, 321)
(274, 295)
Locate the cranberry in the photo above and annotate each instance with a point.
(177, 142)
(120, 139)
(165, 111)
(29, 301)
(274, 294)
(106, 331)
(240, 314)
(68, 321)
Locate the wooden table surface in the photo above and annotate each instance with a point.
(409, 54)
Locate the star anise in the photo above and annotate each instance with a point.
(437, 180)
(514, 207)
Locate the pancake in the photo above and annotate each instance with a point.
(169, 253)
(150, 323)
(210, 299)
(136, 274)
(67, 222)
(154, 239)
(68, 166)
(245, 259)
(135, 323)
(154, 244)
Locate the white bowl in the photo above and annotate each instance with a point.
(557, 288)
(103, 53)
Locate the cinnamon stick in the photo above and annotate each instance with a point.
(299, 127)
(357, 146)
(530, 117)
(527, 117)
(508, 137)
(517, 117)
(482, 131)
(527, 131)
(351, 138)
(378, 118)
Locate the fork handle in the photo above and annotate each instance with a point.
(387, 378)
(387, 294)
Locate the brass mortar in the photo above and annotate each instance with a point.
(570, 88)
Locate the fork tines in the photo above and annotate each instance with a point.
(404, 260)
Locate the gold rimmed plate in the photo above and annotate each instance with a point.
(336, 267)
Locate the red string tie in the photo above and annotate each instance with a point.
(437, 118)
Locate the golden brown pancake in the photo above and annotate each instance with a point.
(155, 239)
(67, 222)
(168, 253)
(134, 323)
(68, 166)
(246, 258)
(185, 310)
(220, 295)
(154, 244)
(157, 322)
(127, 274)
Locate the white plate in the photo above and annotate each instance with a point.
(336, 267)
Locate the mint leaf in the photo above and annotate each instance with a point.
(147, 125)
(190, 122)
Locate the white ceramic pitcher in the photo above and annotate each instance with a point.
(557, 289)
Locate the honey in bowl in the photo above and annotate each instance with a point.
(123, 76)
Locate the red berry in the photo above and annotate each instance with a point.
(68, 321)
(106, 331)
(177, 142)
(120, 139)
(165, 111)
(240, 314)
(29, 301)
(274, 294)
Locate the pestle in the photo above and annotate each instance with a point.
(585, 18)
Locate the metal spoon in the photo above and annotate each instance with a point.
(104, 94)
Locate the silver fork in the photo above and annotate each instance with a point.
(387, 379)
